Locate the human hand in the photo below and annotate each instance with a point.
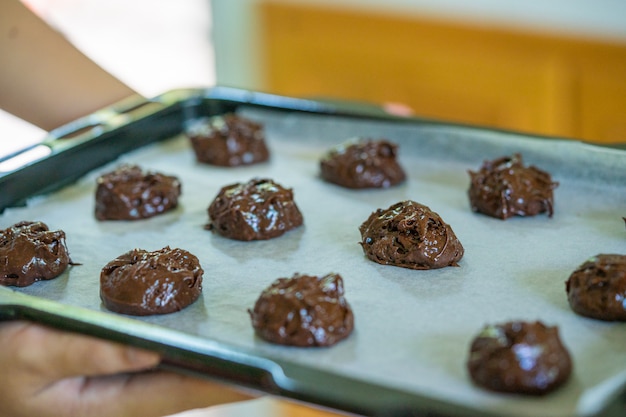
(48, 372)
(398, 109)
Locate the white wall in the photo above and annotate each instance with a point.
(234, 25)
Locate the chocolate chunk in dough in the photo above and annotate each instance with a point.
(597, 288)
(504, 188)
(128, 193)
(363, 163)
(30, 252)
(410, 235)
(519, 357)
(303, 311)
(142, 283)
(228, 140)
(257, 210)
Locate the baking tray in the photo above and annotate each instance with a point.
(412, 328)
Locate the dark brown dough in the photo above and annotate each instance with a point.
(128, 193)
(363, 163)
(504, 188)
(597, 288)
(303, 311)
(519, 357)
(228, 140)
(257, 210)
(143, 283)
(410, 235)
(30, 252)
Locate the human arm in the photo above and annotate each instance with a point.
(44, 79)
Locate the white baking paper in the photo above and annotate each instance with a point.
(412, 328)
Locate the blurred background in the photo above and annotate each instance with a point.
(550, 67)
(151, 45)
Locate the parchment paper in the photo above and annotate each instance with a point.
(412, 328)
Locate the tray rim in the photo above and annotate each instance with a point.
(104, 135)
(234, 365)
(205, 358)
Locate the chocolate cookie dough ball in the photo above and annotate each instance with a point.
(597, 288)
(303, 311)
(128, 193)
(519, 357)
(141, 283)
(410, 235)
(30, 252)
(257, 210)
(504, 188)
(363, 163)
(228, 140)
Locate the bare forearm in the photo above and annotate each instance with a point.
(43, 78)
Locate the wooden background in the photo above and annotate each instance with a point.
(540, 83)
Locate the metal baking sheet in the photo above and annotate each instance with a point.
(412, 328)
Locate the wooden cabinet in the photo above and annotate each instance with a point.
(494, 76)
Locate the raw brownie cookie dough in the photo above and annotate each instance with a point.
(143, 283)
(30, 252)
(410, 235)
(128, 193)
(228, 140)
(257, 210)
(303, 310)
(519, 357)
(597, 288)
(362, 163)
(504, 188)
